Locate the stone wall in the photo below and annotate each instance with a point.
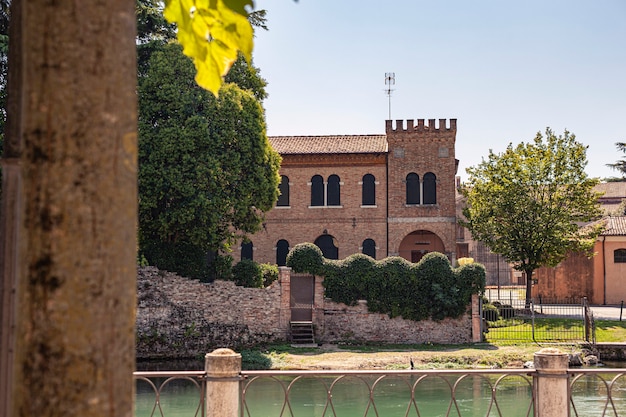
(355, 323)
(182, 318)
(179, 317)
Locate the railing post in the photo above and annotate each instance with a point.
(223, 368)
(551, 383)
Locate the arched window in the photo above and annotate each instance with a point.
(369, 190)
(430, 188)
(369, 248)
(282, 249)
(619, 256)
(412, 188)
(333, 196)
(317, 190)
(283, 198)
(246, 250)
(326, 243)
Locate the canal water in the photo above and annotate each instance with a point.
(362, 396)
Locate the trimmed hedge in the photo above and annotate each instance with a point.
(430, 288)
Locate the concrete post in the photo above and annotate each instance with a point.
(223, 367)
(477, 334)
(551, 383)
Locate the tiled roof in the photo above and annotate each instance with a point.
(614, 193)
(329, 144)
(615, 226)
(612, 189)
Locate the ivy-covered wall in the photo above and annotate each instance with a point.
(389, 301)
(430, 288)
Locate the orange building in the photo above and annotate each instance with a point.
(602, 279)
(382, 195)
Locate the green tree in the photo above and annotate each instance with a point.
(620, 165)
(528, 203)
(151, 25)
(207, 171)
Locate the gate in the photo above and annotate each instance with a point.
(301, 303)
(544, 320)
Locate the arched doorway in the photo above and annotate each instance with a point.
(418, 243)
(328, 246)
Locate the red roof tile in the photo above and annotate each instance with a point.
(615, 226)
(329, 144)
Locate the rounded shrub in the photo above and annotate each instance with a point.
(269, 273)
(490, 312)
(306, 257)
(247, 273)
(506, 311)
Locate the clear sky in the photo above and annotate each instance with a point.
(504, 69)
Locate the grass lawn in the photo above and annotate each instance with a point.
(610, 331)
(554, 330)
(497, 352)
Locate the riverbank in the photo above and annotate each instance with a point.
(344, 357)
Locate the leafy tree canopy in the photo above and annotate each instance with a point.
(529, 202)
(151, 25)
(206, 169)
(620, 165)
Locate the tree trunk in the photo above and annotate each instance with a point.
(74, 223)
(529, 287)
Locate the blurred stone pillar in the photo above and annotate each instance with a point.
(551, 382)
(223, 368)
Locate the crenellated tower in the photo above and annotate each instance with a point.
(421, 169)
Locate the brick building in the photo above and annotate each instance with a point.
(382, 195)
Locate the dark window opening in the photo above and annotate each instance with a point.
(412, 188)
(282, 249)
(283, 198)
(430, 188)
(317, 191)
(619, 256)
(327, 245)
(369, 248)
(246, 250)
(333, 198)
(369, 190)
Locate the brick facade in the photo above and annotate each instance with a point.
(397, 228)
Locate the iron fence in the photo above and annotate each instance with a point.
(485, 392)
(509, 317)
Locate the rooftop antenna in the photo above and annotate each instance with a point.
(390, 79)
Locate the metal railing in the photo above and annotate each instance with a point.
(384, 393)
(485, 392)
(610, 383)
(161, 385)
(515, 320)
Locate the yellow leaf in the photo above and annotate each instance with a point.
(211, 35)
